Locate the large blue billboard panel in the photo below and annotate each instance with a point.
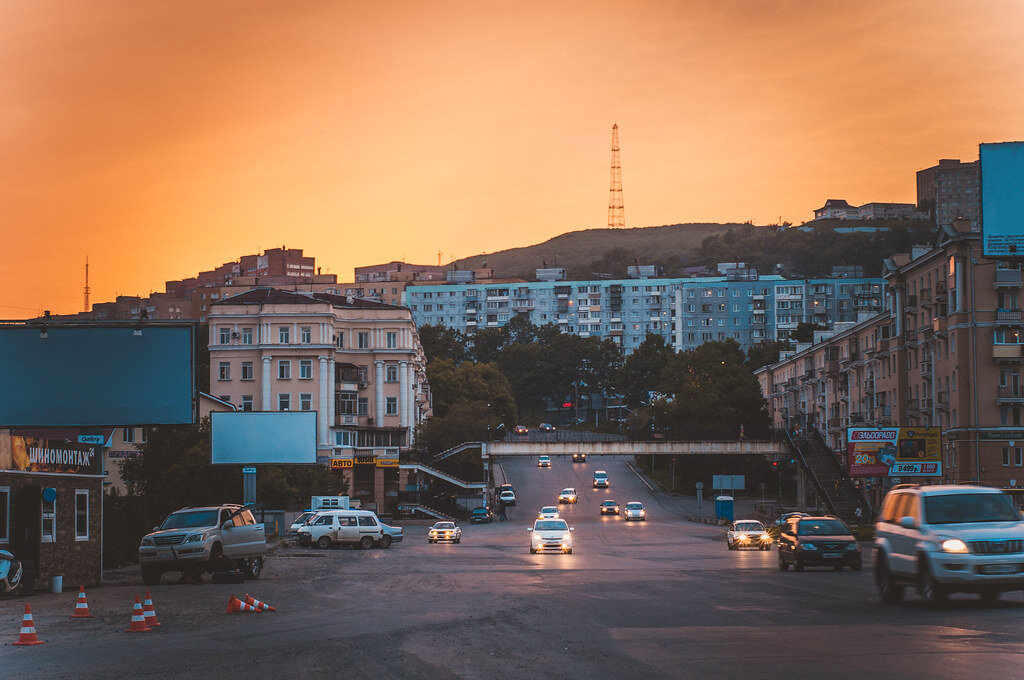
(1002, 199)
(56, 375)
(262, 437)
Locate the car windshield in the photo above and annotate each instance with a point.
(507, 494)
(480, 511)
(192, 518)
(550, 525)
(304, 517)
(749, 526)
(969, 507)
(634, 506)
(822, 527)
(549, 508)
(444, 525)
(568, 491)
(608, 503)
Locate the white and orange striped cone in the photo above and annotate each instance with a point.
(82, 606)
(236, 606)
(28, 630)
(262, 606)
(138, 619)
(150, 612)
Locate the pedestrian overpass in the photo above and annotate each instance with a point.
(771, 449)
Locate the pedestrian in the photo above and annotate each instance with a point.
(858, 513)
(501, 510)
(836, 485)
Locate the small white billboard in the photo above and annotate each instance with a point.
(262, 437)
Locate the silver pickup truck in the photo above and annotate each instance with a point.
(206, 539)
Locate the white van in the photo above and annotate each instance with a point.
(345, 527)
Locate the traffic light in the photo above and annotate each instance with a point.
(775, 465)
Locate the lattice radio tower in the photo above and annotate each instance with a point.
(86, 283)
(616, 214)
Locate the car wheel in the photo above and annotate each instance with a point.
(888, 589)
(365, 542)
(989, 596)
(569, 551)
(533, 551)
(324, 542)
(252, 567)
(151, 576)
(217, 561)
(782, 563)
(729, 545)
(458, 540)
(855, 566)
(798, 565)
(932, 591)
(837, 567)
(385, 541)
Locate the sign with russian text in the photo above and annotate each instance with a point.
(387, 462)
(341, 463)
(894, 451)
(34, 454)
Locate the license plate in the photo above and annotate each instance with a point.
(999, 569)
(164, 554)
(831, 556)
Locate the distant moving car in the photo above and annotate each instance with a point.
(547, 427)
(609, 507)
(544, 461)
(601, 480)
(505, 487)
(748, 533)
(568, 495)
(293, 530)
(521, 429)
(579, 457)
(635, 510)
(507, 497)
(394, 532)
(548, 512)
(818, 541)
(444, 531)
(481, 515)
(550, 534)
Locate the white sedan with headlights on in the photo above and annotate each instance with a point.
(635, 510)
(748, 533)
(550, 534)
(548, 512)
(444, 531)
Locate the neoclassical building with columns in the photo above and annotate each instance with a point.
(357, 363)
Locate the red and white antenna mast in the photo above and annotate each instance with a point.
(86, 309)
(616, 214)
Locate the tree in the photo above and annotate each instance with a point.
(470, 401)
(487, 343)
(441, 342)
(642, 370)
(804, 331)
(766, 353)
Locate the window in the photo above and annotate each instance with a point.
(48, 529)
(306, 369)
(284, 369)
(145, 430)
(392, 339)
(363, 406)
(283, 335)
(391, 406)
(284, 402)
(247, 370)
(340, 340)
(224, 373)
(364, 340)
(305, 402)
(81, 514)
(391, 373)
(5, 514)
(246, 402)
(345, 438)
(128, 435)
(246, 336)
(225, 335)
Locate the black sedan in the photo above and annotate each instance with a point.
(481, 515)
(818, 542)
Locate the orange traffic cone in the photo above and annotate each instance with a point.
(149, 612)
(262, 606)
(138, 619)
(28, 630)
(235, 606)
(82, 606)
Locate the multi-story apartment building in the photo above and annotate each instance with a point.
(357, 363)
(946, 353)
(950, 191)
(839, 209)
(687, 312)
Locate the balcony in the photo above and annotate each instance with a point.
(926, 404)
(1008, 317)
(832, 367)
(942, 401)
(1006, 353)
(1010, 394)
(913, 406)
(926, 369)
(911, 303)
(939, 325)
(1007, 278)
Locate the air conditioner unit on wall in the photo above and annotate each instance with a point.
(363, 385)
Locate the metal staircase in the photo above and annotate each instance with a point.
(829, 478)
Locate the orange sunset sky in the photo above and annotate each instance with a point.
(164, 137)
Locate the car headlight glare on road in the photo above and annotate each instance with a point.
(954, 545)
(808, 546)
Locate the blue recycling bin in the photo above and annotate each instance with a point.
(724, 508)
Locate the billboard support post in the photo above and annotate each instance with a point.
(248, 485)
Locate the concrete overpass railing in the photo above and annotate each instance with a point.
(634, 448)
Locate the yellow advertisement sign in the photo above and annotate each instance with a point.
(387, 462)
(339, 463)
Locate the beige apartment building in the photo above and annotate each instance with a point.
(946, 353)
(357, 363)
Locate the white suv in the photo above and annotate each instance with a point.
(948, 538)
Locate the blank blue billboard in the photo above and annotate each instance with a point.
(78, 375)
(267, 437)
(1002, 199)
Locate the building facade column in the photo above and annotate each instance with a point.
(265, 383)
(331, 396)
(378, 393)
(324, 423)
(403, 396)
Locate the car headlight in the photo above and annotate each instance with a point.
(196, 538)
(853, 546)
(146, 541)
(808, 546)
(742, 537)
(766, 538)
(954, 545)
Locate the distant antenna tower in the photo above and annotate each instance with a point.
(86, 284)
(616, 214)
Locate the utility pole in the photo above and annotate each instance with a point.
(616, 213)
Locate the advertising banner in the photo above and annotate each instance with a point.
(894, 451)
(35, 454)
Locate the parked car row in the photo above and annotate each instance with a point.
(331, 528)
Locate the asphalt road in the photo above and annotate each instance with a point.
(655, 599)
